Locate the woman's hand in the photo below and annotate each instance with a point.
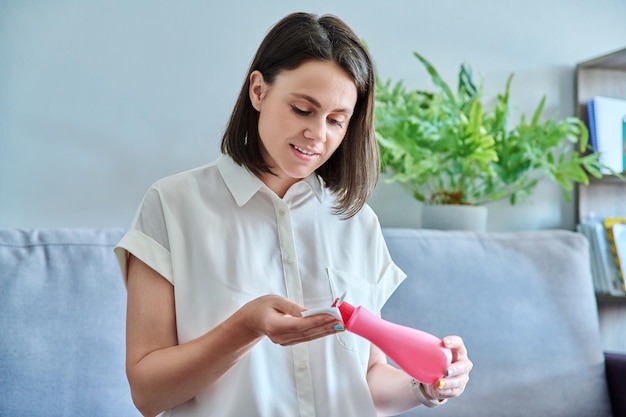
(454, 384)
(280, 319)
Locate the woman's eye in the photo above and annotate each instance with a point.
(335, 122)
(299, 111)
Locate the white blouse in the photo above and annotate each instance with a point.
(222, 238)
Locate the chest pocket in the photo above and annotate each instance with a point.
(358, 292)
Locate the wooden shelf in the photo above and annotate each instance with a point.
(606, 197)
(601, 76)
(608, 180)
(610, 299)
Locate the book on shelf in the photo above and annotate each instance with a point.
(607, 131)
(597, 271)
(613, 224)
(605, 271)
(619, 237)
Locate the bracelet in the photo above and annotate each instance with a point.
(421, 396)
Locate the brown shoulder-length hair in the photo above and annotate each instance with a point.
(352, 171)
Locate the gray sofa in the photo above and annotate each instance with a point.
(523, 302)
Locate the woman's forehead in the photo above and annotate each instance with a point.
(321, 82)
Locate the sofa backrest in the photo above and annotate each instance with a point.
(62, 314)
(523, 303)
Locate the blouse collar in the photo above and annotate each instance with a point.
(242, 184)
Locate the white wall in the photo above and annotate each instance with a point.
(98, 99)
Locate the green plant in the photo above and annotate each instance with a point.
(449, 149)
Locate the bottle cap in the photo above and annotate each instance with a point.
(346, 310)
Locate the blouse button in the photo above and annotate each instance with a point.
(282, 211)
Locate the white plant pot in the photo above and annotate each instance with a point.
(454, 217)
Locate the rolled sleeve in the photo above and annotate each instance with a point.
(145, 249)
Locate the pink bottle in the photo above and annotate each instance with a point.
(418, 353)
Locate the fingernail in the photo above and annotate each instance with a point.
(339, 327)
(450, 372)
(442, 383)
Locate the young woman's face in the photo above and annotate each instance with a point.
(303, 117)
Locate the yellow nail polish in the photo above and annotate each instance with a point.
(441, 383)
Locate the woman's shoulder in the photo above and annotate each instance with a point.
(367, 215)
(189, 176)
(365, 219)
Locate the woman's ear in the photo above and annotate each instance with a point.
(257, 89)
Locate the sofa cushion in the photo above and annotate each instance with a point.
(523, 303)
(62, 324)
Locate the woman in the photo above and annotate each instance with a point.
(221, 261)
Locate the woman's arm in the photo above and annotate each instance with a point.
(391, 388)
(163, 374)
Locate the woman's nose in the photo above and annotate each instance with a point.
(316, 129)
